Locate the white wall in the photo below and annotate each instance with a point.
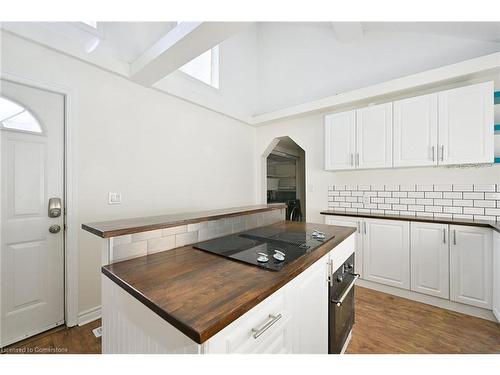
(300, 62)
(163, 154)
(238, 66)
(308, 133)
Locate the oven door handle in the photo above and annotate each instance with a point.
(339, 301)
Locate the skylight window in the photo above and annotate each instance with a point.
(92, 24)
(204, 68)
(15, 117)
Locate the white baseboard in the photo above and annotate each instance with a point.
(496, 312)
(430, 300)
(89, 315)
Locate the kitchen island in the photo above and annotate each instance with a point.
(186, 300)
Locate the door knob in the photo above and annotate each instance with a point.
(55, 228)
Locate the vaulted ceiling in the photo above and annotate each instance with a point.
(266, 66)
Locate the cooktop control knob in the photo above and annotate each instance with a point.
(262, 258)
(279, 255)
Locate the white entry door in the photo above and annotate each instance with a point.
(32, 257)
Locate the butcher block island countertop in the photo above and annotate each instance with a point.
(200, 293)
(107, 229)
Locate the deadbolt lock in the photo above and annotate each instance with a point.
(55, 207)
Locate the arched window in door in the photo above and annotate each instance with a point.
(15, 117)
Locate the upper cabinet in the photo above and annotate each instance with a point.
(449, 127)
(359, 139)
(416, 131)
(374, 136)
(466, 125)
(340, 137)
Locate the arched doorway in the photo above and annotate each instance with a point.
(285, 176)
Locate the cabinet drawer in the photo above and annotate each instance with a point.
(257, 331)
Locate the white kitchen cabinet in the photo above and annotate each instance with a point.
(248, 334)
(471, 265)
(303, 307)
(386, 252)
(374, 136)
(416, 131)
(356, 222)
(466, 120)
(496, 275)
(430, 259)
(340, 140)
(307, 299)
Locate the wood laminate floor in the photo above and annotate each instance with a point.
(61, 340)
(384, 324)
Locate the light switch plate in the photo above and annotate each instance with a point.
(114, 198)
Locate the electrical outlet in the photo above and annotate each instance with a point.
(114, 198)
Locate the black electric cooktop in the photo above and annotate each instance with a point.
(266, 247)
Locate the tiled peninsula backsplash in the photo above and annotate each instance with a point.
(464, 201)
(139, 244)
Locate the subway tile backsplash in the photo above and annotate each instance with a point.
(139, 244)
(460, 201)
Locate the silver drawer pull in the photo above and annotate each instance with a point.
(339, 301)
(259, 331)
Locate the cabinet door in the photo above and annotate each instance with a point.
(374, 136)
(386, 252)
(415, 131)
(340, 140)
(248, 334)
(308, 294)
(496, 275)
(430, 259)
(471, 265)
(466, 133)
(356, 223)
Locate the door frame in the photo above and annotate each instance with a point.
(70, 189)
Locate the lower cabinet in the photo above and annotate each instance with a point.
(307, 297)
(430, 259)
(471, 255)
(386, 252)
(357, 223)
(267, 329)
(496, 275)
(292, 320)
(455, 262)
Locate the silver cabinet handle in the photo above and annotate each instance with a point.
(364, 226)
(272, 320)
(442, 152)
(352, 160)
(444, 235)
(433, 150)
(357, 159)
(359, 226)
(454, 237)
(339, 301)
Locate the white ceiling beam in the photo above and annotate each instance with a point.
(348, 32)
(179, 46)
